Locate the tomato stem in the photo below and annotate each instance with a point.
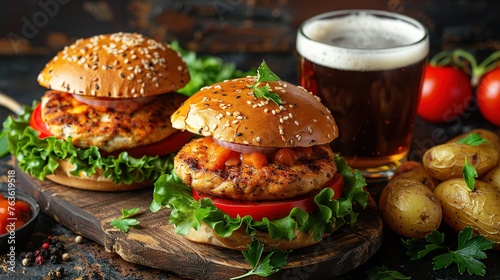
(466, 62)
(489, 63)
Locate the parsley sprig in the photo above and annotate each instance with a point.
(467, 256)
(264, 74)
(470, 174)
(384, 273)
(125, 222)
(271, 264)
(472, 139)
(469, 171)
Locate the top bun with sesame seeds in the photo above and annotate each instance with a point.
(118, 65)
(104, 124)
(230, 112)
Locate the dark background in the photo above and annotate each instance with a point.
(44, 26)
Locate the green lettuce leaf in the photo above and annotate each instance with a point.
(39, 157)
(187, 213)
(206, 70)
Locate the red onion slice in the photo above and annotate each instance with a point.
(125, 105)
(245, 149)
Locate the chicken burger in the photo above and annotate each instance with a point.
(262, 168)
(104, 123)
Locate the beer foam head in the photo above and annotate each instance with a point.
(359, 40)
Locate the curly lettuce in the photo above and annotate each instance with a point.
(206, 70)
(39, 157)
(186, 212)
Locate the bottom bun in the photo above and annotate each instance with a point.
(95, 182)
(239, 240)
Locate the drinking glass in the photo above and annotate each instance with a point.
(367, 66)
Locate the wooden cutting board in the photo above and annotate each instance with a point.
(154, 243)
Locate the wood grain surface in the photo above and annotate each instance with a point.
(154, 243)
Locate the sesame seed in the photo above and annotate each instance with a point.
(315, 120)
(257, 139)
(296, 123)
(309, 129)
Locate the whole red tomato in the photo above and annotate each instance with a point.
(446, 93)
(488, 96)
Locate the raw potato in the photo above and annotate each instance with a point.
(410, 208)
(446, 161)
(478, 208)
(416, 171)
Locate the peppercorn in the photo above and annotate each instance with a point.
(59, 271)
(52, 275)
(78, 239)
(54, 251)
(30, 256)
(54, 240)
(55, 259)
(39, 259)
(44, 253)
(26, 262)
(65, 257)
(60, 245)
(45, 245)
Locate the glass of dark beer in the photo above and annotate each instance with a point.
(367, 66)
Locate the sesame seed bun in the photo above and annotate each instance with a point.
(95, 182)
(239, 239)
(120, 65)
(229, 111)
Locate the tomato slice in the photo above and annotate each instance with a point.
(37, 123)
(166, 146)
(271, 209)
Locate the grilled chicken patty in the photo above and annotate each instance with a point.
(106, 128)
(244, 182)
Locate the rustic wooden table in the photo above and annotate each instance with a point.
(90, 261)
